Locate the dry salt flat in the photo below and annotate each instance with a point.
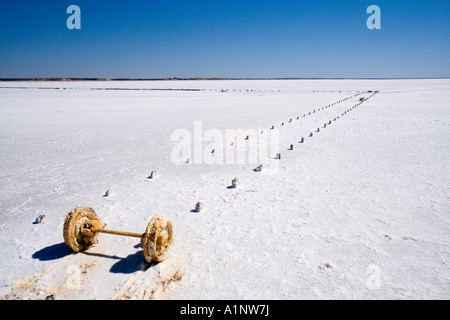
(357, 211)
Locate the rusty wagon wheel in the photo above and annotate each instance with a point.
(77, 224)
(158, 239)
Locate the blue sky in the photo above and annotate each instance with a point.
(228, 38)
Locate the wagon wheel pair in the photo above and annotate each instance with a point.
(82, 226)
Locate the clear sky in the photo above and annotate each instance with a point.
(227, 38)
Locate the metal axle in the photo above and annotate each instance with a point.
(120, 233)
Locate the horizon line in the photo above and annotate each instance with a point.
(9, 79)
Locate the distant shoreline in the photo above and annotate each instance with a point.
(198, 79)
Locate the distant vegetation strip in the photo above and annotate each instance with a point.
(135, 89)
(105, 79)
